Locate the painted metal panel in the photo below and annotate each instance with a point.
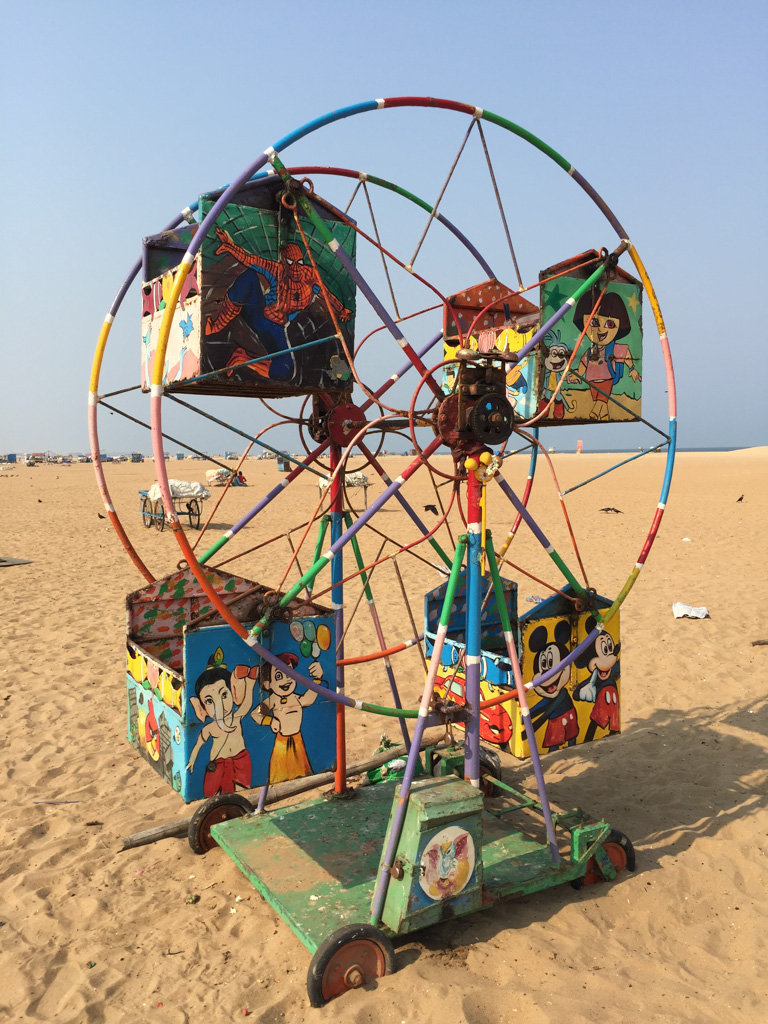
(500, 320)
(257, 290)
(604, 382)
(285, 731)
(583, 702)
(439, 855)
(203, 710)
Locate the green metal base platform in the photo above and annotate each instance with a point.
(316, 862)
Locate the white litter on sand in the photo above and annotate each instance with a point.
(685, 611)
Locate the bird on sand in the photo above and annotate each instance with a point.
(430, 508)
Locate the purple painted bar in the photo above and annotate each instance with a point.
(266, 500)
(598, 199)
(319, 450)
(463, 238)
(118, 300)
(384, 497)
(535, 758)
(523, 511)
(398, 818)
(555, 318)
(474, 594)
(437, 216)
(384, 316)
(390, 673)
(406, 506)
(551, 672)
(400, 373)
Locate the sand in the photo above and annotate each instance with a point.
(90, 933)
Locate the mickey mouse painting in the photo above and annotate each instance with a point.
(556, 706)
(602, 687)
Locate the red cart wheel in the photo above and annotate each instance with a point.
(221, 807)
(621, 853)
(353, 956)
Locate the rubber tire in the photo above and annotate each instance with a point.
(327, 950)
(158, 512)
(615, 839)
(146, 512)
(194, 514)
(222, 807)
(490, 764)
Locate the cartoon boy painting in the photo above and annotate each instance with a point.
(225, 698)
(283, 711)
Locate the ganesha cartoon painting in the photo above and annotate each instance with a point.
(221, 700)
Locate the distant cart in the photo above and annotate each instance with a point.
(224, 478)
(188, 498)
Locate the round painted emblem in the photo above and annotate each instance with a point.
(447, 863)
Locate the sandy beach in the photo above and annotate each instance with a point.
(91, 933)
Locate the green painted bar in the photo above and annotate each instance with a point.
(213, 549)
(308, 576)
(400, 191)
(498, 586)
(439, 551)
(567, 573)
(528, 136)
(587, 284)
(359, 559)
(453, 580)
(377, 709)
(324, 524)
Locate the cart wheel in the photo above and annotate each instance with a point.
(352, 957)
(146, 511)
(194, 514)
(158, 514)
(621, 853)
(490, 764)
(221, 807)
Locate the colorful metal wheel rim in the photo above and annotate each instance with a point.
(157, 389)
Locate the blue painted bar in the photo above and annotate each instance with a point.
(624, 462)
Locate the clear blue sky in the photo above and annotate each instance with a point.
(115, 116)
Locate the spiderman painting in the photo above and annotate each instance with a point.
(267, 296)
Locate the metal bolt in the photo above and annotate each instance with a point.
(354, 977)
